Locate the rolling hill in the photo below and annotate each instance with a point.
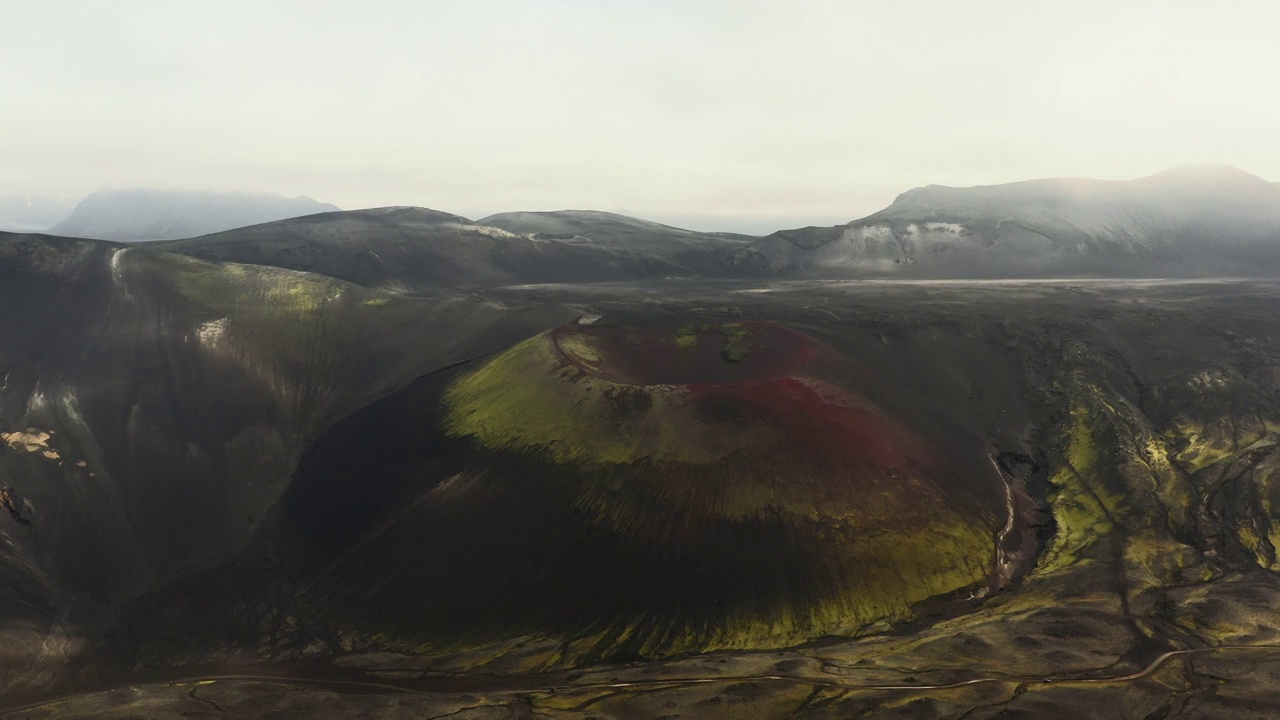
(409, 250)
(153, 407)
(695, 252)
(638, 491)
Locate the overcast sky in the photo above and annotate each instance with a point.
(733, 114)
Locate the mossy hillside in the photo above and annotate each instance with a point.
(290, 330)
(1266, 478)
(1152, 559)
(1237, 609)
(1205, 443)
(263, 293)
(1254, 485)
(528, 399)
(309, 342)
(656, 473)
(858, 584)
(871, 580)
(1234, 456)
(1084, 508)
(1115, 476)
(531, 400)
(737, 341)
(1034, 628)
(686, 339)
(552, 395)
(1157, 507)
(669, 501)
(723, 701)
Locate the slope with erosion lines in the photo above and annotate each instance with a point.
(637, 491)
(153, 407)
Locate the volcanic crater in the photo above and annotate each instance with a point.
(698, 354)
(646, 491)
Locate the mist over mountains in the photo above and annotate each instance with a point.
(142, 215)
(1188, 221)
(33, 213)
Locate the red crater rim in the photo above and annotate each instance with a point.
(695, 354)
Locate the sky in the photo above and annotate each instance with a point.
(736, 114)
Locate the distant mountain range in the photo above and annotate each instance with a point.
(141, 215)
(32, 213)
(1188, 221)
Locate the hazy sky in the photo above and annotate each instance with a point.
(775, 113)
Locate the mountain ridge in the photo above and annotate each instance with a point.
(1040, 228)
(410, 250)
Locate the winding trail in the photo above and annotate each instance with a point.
(1004, 565)
(514, 685)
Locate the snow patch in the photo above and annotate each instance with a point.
(211, 333)
(72, 409)
(492, 232)
(37, 402)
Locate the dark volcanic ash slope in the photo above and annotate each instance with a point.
(637, 491)
(415, 250)
(142, 215)
(692, 251)
(1189, 221)
(152, 408)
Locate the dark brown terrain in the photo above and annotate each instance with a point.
(293, 485)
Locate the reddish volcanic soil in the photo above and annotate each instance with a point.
(728, 485)
(782, 379)
(822, 423)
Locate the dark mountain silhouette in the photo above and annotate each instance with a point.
(415, 250)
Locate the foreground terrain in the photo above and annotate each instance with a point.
(679, 498)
